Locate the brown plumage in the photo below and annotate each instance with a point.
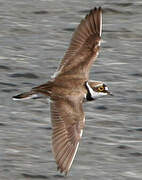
(67, 89)
(84, 46)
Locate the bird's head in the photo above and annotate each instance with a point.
(96, 89)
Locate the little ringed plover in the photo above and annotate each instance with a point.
(70, 87)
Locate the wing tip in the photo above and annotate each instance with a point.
(100, 8)
(96, 13)
(64, 168)
(61, 170)
(95, 9)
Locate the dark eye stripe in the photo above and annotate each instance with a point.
(104, 86)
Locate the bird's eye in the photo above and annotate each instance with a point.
(101, 88)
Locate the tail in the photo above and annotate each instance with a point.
(41, 91)
(26, 95)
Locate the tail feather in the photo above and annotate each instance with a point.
(25, 96)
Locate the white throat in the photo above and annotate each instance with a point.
(93, 93)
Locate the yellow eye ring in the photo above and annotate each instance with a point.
(101, 88)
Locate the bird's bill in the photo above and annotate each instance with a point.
(109, 93)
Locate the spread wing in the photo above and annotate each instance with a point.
(84, 46)
(67, 123)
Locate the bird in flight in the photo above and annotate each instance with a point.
(70, 88)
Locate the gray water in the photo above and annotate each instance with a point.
(34, 35)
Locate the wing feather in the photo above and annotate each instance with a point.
(67, 126)
(86, 36)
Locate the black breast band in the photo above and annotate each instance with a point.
(88, 95)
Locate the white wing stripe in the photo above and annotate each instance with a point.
(73, 155)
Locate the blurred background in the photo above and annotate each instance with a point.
(34, 36)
